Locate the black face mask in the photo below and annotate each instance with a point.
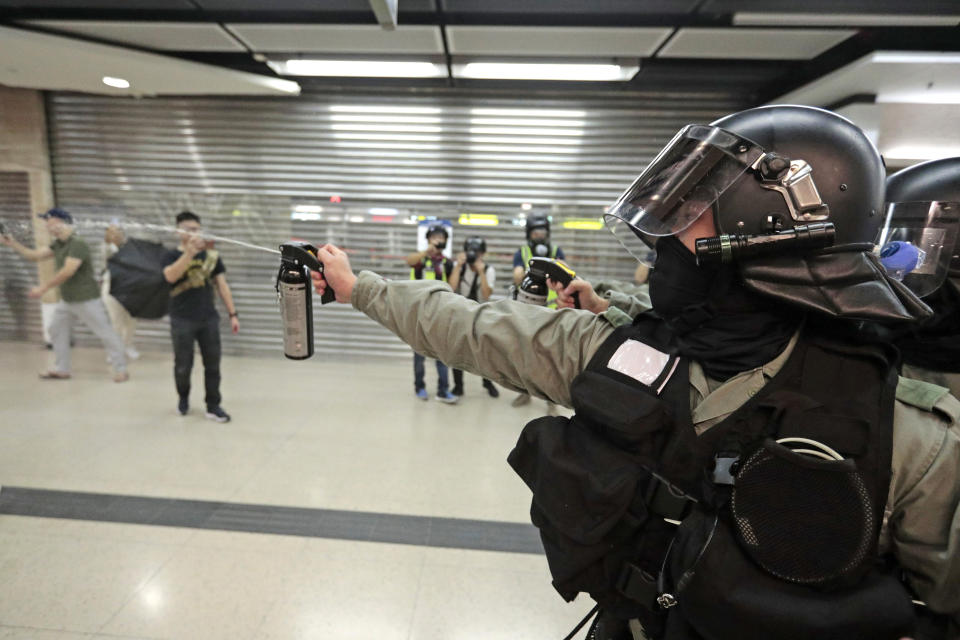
(716, 321)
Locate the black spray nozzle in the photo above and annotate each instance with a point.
(556, 270)
(297, 254)
(726, 249)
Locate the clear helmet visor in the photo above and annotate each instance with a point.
(918, 241)
(683, 181)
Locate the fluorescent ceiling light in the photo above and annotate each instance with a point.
(921, 152)
(308, 208)
(914, 57)
(802, 19)
(359, 68)
(119, 83)
(383, 211)
(545, 71)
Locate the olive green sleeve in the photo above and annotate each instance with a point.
(632, 299)
(522, 347)
(923, 512)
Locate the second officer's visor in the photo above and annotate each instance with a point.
(918, 242)
(682, 182)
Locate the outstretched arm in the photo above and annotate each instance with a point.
(34, 255)
(519, 346)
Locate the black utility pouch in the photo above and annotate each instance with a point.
(585, 503)
(788, 559)
(590, 479)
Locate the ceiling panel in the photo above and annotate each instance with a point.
(172, 36)
(340, 38)
(559, 41)
(832, 6)
(285, 5)
(33, 60)
(758, 44)
(893, 76)
(600, 7)
(177, 5)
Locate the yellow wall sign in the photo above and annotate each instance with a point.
(591, 224)
(479, 219)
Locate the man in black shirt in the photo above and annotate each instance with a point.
(192, 270)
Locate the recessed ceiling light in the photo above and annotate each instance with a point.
(360, 68)
(545, 71)
(119, 83)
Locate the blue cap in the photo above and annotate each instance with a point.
(57, 212)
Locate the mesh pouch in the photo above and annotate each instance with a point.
(803, 519)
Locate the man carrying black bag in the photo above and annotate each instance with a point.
(743, 461)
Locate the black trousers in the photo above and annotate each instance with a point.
(205, 333)
(458, 380)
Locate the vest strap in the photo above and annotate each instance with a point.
(637, 584)
(667, 501)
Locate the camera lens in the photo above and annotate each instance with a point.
(471, 256)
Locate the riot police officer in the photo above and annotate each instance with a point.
(537, 245)
(742, 462)
(923, 207)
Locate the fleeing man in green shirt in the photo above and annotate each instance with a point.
(80, 295)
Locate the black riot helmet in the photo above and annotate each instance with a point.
(473, 247)
(778, 172)
(538, 221)
(918, 241)
(438, 228)
(539, 246)
(783, 183)
(475, 243)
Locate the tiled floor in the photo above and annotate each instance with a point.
(319, 434)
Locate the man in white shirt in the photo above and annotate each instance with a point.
(474, 279)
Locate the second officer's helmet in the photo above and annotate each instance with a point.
(759, 171)
(918, 241)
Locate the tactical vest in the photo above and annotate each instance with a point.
(525, 254)
(428, 270)
(732, 534)
(198, 277)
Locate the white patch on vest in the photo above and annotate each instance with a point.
(639, 361)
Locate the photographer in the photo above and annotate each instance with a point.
(431, 264)
(474, 279)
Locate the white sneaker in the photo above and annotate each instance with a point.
(132, 354)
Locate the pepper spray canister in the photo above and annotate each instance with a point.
(296, 310)
(295, 292)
